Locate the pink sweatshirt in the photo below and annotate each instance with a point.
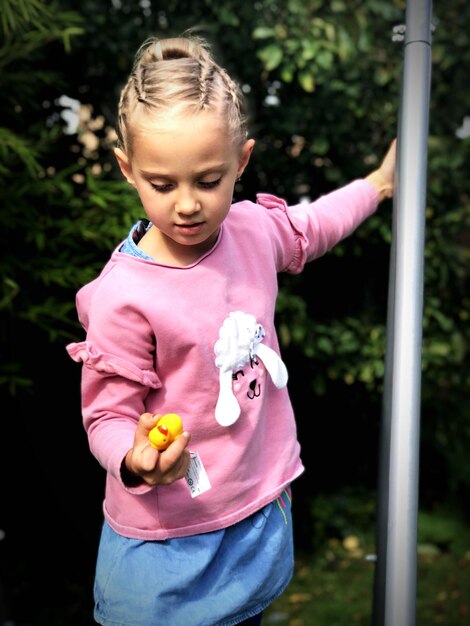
(200, 341)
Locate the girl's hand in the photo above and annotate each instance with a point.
(383, 178)
(145, 463)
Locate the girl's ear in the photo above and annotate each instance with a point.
(123, 162)
(245, 155)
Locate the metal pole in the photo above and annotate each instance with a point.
(397, 520)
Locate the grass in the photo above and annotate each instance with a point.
(335, 587)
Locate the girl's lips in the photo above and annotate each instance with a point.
(192, 229)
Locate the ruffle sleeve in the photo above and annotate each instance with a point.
(300, 244)
(105, 363)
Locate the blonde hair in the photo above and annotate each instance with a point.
(179, 74)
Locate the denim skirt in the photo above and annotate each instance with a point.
(219, 578)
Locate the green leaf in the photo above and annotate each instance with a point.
(324, 59)
(307, 80)
(263, 32)
(287, 73)
(271, 56)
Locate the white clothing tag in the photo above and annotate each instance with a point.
(196, 477)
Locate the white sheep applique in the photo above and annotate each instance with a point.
(240, 338)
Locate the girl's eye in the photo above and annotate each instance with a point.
(162, 188)
(210, 185)
(166, 187)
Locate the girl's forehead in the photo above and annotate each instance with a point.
(200, 141)
(177, 122)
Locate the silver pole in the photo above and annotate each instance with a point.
(396, 567)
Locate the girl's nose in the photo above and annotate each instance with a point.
(187, 204)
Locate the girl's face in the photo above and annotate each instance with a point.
(184, 171)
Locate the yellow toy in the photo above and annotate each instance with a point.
(166, 430)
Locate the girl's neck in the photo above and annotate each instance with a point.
(167, 252)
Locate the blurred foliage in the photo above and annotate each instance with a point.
(350, 512)
(323, 84)
(446, 530)
(348, 517)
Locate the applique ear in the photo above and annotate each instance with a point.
(227, 410)
(274, 364)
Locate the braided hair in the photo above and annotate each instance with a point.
(181, 75)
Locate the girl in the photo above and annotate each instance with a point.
(181, 319)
